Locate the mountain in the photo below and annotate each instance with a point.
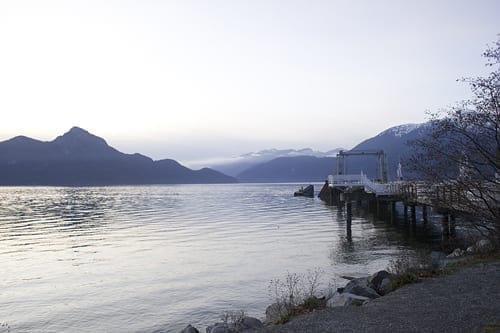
(237, 165)
(79, 158)
(394, 141)
(290, 169)
(309, 168)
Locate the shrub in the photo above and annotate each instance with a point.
(313, 303)
(296, 294)
(233, 320)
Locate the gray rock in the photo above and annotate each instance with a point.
(251, 323)
(218, 328)
(362, 291)
(481, 246)
(385, 285)
(484, 246)
(190, 329)
(346, 299)
(362, 281)
(380, 282)
(247, 325)
(456, 253)
(360, 287)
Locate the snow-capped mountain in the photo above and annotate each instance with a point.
(273, 153)
(240, 163)
(401, 130)
(394, 141)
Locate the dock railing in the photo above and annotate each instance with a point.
(368, 185)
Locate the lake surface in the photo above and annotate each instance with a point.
(155, 258)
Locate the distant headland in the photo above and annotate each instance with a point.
(79, 158)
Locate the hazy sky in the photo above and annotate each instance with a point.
(192, 80)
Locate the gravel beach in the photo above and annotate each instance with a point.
(467, 300)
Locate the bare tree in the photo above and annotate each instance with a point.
(462, 150)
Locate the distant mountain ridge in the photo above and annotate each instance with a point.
(81, 158)
(237, 165)
(289, 169)
(394, 142)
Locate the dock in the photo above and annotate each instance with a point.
(447, 199)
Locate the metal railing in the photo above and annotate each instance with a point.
(363, 181)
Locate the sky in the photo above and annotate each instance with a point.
(203, 80)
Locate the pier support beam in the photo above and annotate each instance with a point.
(348, 204)
(348, 209)
(445, 226)
(393, 212)
(424, 214)
(413, 214)
(453, 223)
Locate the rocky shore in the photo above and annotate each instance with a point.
(467, 300)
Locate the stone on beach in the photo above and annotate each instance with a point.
(481, 246)
(247, 325)
(346, 299)
(380, 282)
(190, 329)
(456, 253)
(251, 323)
(360, 287)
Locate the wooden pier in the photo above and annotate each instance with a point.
(343, 190)
(448, 199)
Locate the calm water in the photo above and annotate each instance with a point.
(155, 258)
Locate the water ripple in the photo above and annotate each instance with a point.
(157, 257)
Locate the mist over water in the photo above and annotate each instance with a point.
(155, 258)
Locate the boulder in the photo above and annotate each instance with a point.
(346, 299)
(190, 329)
(380, 282)
(247, 325)
(218, 328)
(362, 281)
(360, 287)
(251, 323)
(362, 291)
(456, 253)
(484, 246)
(481, 246)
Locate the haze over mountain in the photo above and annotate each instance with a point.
(290, 169)
(394, 142)
(237, 165)
(81, 158)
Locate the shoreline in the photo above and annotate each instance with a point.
(466, 300)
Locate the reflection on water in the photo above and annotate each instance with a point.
(154, 258)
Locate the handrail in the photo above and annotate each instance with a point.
(362, 180)
(446, 195)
